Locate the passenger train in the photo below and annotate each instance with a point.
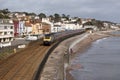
(48, 39)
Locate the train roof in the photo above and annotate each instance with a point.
(49, 34)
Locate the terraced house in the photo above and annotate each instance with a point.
(6, 32)
(39, 27)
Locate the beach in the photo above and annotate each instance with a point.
(57, 60)
(81, 47)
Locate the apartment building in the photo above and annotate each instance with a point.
(6, 32)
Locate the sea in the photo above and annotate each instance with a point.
(101, 61)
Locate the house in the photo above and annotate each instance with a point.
(36, 26)
(84, 20)
(39, 27)
(46, 28)
(47, 22)
(90, 26)
(16, 28)
(6, 32)
(28, 28)
(19, 14)
(57, 27)
(21, 29)
(114, 27)
(72, 26)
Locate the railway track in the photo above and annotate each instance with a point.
(23, 65)
(28, 63)
(41, 66)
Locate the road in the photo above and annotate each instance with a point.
(19, 41)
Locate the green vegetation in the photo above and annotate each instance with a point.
(42, 15)
(6, 53)
(97, 23)
(4, 14)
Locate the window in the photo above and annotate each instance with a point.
(47, 36)
(11, 27)
(1, 33)
(4, 39)
(11, 32)
(5, 27)
(5, 33)
(47, 30)
(10, 39)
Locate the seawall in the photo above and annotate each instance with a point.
(59, 60)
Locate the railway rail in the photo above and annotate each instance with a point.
(39, 71)
(23, 65)
(28, 63)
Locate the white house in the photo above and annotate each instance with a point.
(21, 27)
(71, 26)
(28, 28)
(62, 26)
(115, 27)
(53, 28)
(6, 32)
(57, 27)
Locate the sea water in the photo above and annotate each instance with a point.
(101, 61)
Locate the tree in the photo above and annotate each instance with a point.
(5, 11)
(1, 15)
(6, 17)
(89, 23)
(79, 21)
(42, 15)
(51, 18)
(99, 24)
(26, 13)
(66, 16)
(57, 17)
(63, 16)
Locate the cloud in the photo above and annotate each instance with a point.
(100, 9)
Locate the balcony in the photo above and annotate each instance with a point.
(6, 30)
(6, 36)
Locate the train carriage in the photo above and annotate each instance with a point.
(48, 39)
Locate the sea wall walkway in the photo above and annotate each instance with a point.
(54, 67)
(58, 61)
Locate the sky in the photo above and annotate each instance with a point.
(107, 10)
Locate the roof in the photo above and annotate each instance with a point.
(45, 23)
(35, 21)
(28, 24)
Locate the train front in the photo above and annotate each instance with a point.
(47, 39)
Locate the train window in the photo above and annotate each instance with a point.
(47, 36)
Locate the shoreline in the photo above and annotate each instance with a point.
(81, 47)
(56, 67)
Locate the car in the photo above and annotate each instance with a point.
(31, 38)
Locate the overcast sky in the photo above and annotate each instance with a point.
(108, 10)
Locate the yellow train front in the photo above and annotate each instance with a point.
(48, 39)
